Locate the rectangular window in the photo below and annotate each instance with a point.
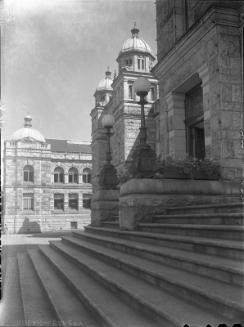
(28, 201)
(55, 178)
(142, 64)
(152, 94)
(87, 201)
(59, 201)
(130, 92)
(26, 176)
(73, 201)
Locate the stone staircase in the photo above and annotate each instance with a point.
(185, 266)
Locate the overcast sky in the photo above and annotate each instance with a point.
(54, 53)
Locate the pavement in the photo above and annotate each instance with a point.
(13, 244)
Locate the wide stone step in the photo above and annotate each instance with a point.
(37, 310)
(208, 208)
(224, 248)
(68, 308)
(11, 308)
(110, 224)
(157, 302)
(202, 219)
(223, 269)
(181, 283)
(229, 232)
(100, 300)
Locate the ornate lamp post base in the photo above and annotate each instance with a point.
(108, 179)
(143, 163)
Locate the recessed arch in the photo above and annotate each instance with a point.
(58, 175)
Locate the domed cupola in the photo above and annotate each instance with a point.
(135, 54)
(27, 133)
(104, 89)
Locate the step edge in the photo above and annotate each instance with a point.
(185, 239)
(181, 258)
(232, 228)
(131, 295)
(81, 293)
(185, 286)
(31, 253)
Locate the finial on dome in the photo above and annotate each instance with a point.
(135, 31)
(108, 72)
(28, 120)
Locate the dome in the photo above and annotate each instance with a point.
(106, 82)
(134, 43)
(27, 132)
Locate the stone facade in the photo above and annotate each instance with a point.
(34, 198)
(200, 45)
(134, 60)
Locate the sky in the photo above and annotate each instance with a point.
(55, 52)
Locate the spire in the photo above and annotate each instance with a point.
(108, 73)
(135, 31)
(28, 120)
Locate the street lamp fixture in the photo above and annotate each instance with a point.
(108, 176)
(107, 124)
(142, 87)
(144, 158)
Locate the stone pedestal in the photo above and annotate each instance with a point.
(143, 163)
(104, 206)
(143, 197)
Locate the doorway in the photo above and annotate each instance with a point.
(194, 122)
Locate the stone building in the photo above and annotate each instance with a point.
(47, 182)
(194, 110)
(116, 96)
(200, 81)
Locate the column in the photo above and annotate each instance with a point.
(176, 125)
(204, 75)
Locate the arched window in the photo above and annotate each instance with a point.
(86, 175)
(28, 174)
(58, 175)
(73, 175)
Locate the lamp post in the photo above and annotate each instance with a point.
(142, 87)
(108, 176)
(107, 123)
(144, 158)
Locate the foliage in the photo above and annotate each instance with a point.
(190, 168)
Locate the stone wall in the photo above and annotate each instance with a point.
(43, 217)
(141, 198)
(176, 18)
(209, 53)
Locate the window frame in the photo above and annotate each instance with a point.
(86, 177)
(28, 201)
(130, 91)
(73, 176)
(58, 175)
(86, 200)
(75, 197)
(28, 174)
(59, 196)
